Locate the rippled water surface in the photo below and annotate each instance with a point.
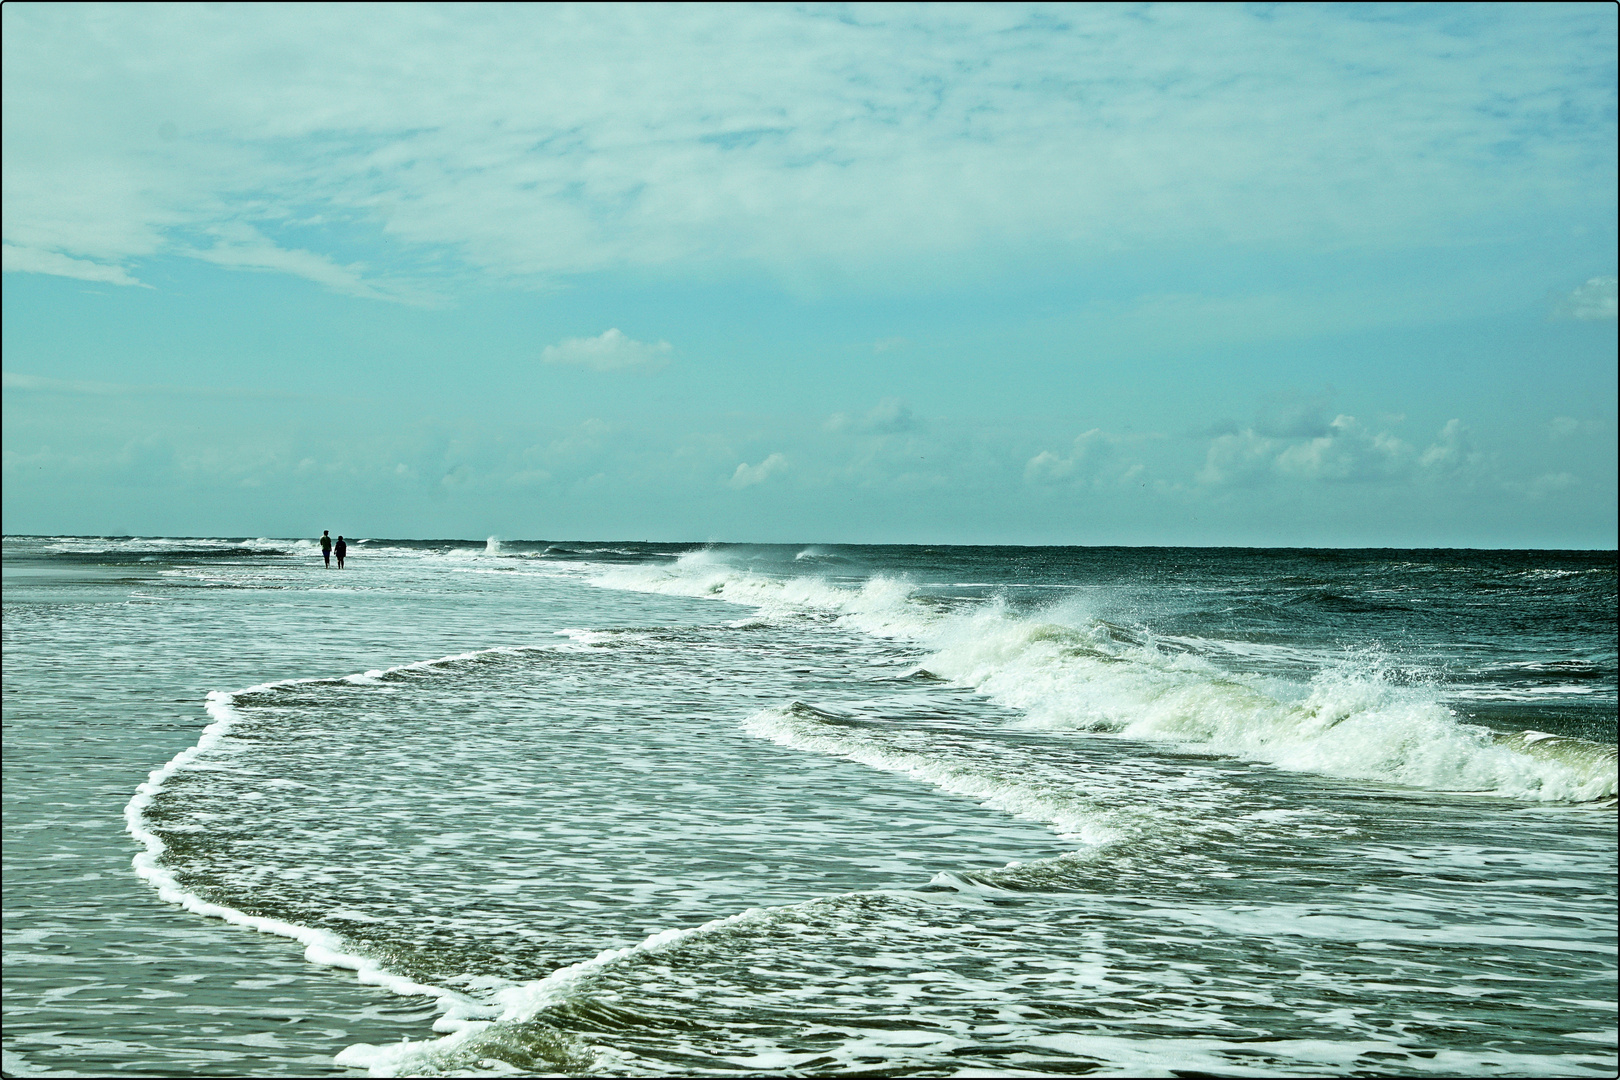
(655, 809)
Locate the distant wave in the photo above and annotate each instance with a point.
(138, 548)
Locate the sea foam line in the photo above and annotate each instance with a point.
(320, 946)
(461, 1016)
(523, 1001)
(526, 1001)
(796, 726)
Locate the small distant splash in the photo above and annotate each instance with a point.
(492, 546)
(815, 554)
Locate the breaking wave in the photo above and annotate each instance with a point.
(1066, 669)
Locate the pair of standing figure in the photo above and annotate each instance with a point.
(328, 549)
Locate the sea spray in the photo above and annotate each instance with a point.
(1066, 669)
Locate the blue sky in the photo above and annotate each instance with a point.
(1296, 275)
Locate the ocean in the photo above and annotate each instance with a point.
(496, 807)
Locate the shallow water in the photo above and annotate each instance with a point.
(648, 809)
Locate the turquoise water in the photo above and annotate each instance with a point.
(653, 809)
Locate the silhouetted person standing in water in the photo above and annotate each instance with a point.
(326, 548)
(340, 550)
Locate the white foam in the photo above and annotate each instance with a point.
(320, 946)
(461, 1015)
(1348, 721)
(1065, 669)
(1073, 819)
(463, 1020)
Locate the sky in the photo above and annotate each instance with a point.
(1292, 275)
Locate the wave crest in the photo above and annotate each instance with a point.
(1065, 668)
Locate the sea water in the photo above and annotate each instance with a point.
(644, 809)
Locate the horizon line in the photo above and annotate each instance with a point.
(812, 543)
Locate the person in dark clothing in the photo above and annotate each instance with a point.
(326, 549)
(340, 550)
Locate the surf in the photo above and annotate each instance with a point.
(1063, 667)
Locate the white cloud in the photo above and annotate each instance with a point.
(608, 351)
(242, 246)
(1347, 451)
(1597, 299)
(35, 261)
(516, 142)
(1242, 457)
(748, 475)
(1451, 450)
(888, 417)
(1094, 460)
(1551, 484)
(1567, 427)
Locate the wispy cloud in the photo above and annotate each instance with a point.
(610, 350)
(242, 246)
(1552, 484)
(511, 143)
(21, 383)
(748, 475)
(888, 417)
(35, 261)
(1596, 299)
(1567, 427)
